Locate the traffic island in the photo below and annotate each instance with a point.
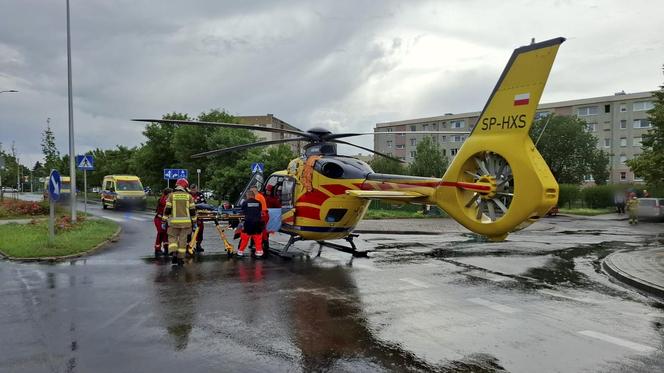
(29, 242)
(641, 269)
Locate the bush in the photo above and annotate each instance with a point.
(598, 196)
(15, 208)
(569, 193)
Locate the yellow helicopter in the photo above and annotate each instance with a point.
(497, 183)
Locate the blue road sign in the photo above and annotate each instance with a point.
(54, 185)
(85, 162)
(175, 173)
(257, 167)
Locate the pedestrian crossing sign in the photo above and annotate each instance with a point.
(257, 167)
(85, 162)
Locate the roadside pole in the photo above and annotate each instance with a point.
(85, 192)
(198, 171)
(51, 221)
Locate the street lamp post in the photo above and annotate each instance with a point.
(72, 154)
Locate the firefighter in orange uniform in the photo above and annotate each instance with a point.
(180, 213)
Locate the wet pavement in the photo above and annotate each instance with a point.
(425, 302)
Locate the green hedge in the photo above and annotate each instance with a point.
(569, 193)
(598, 196)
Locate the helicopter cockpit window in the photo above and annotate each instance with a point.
(281, 187)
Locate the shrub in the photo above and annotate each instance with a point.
(598, 196)
(569, 193)
(12, 207)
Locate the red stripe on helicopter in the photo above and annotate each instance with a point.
(469, 186)
(385, 186)
(307, 212)
(315, 197)
(336, 189)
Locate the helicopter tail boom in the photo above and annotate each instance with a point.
(498, 182)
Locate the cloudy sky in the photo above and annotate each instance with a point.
(344, 65)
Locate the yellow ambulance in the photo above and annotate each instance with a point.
(122, 191)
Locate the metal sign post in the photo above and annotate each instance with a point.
(85, 192)
(2, 167)
(53, 195)
(198, 171)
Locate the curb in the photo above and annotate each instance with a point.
(95, 249)
(630, 280)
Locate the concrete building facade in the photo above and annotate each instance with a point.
(269, 120)
(618, 122)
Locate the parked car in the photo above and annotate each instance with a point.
(9, 190)
(651, 208)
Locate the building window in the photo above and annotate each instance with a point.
(402, 158)
(457, 138)
(607, 108)
(425, 127)
(623, 108)
(587, 110)
(642, 106)
(444, 151)
(454, 151)
(623, 141)
(457, 124)
(636, 141)
(401, 146)
(443, 138)
(591, 127)
(623, 124)
(412, 154)
(413, 128)
(623, 159)
(623, 176)
(413, 142)
(401, 134)
(641, 123)
(389, 143)
(607, 143)
(389, 130)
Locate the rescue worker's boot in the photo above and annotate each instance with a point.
(199, 248)
(174, 261)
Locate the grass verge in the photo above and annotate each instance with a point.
(587, 211)
(31, 240)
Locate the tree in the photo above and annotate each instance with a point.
(598, 167)
(649, 163)
(429, 159)
(50, 151)
(568, 149)
(384, 165)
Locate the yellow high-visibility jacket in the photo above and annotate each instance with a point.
(180, 211)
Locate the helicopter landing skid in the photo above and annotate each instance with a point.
(284, 252)
(350, 250)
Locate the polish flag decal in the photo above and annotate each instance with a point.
(522, 99)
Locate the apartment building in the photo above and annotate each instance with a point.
(618, 122)
(269, 120)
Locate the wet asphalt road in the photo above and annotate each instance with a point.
(448, 302)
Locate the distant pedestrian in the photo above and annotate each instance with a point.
(646, 194)
(253, 225)
(632, 208)
(619, 201)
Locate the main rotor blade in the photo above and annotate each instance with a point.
(228, 125)
(247, 146)
(342, 135)
(369, 150)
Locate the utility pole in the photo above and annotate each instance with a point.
(72, 154)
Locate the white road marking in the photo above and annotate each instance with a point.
(415, 282)
(618, 341)
(137, 218)
(494, 306)
(115, 219)
(118, 316)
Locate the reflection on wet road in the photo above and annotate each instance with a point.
(447, 302)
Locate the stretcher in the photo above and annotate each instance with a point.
(214, 216)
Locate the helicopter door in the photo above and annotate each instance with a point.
(282, 187)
